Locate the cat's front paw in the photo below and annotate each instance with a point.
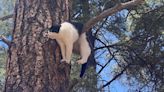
(45, 34)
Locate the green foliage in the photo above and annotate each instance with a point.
(3, 55)
(88, 82)
(145, 49)
(6, 8)
(139, 44)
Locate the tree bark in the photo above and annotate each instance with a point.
(33, 63)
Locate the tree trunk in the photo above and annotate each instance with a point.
(33, 63)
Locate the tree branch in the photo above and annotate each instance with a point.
(114, 78)
(109, 12)
(5, 40)
(6, 17)
(105, 65)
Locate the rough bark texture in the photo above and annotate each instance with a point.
(33, 61)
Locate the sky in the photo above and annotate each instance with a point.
(107, 74)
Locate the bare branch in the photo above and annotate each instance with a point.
(114, 78)
(105, 65)
(99, 64)
(6, 17)
(109, 12)
(5, 40)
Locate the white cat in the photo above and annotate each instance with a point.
(68, 35)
